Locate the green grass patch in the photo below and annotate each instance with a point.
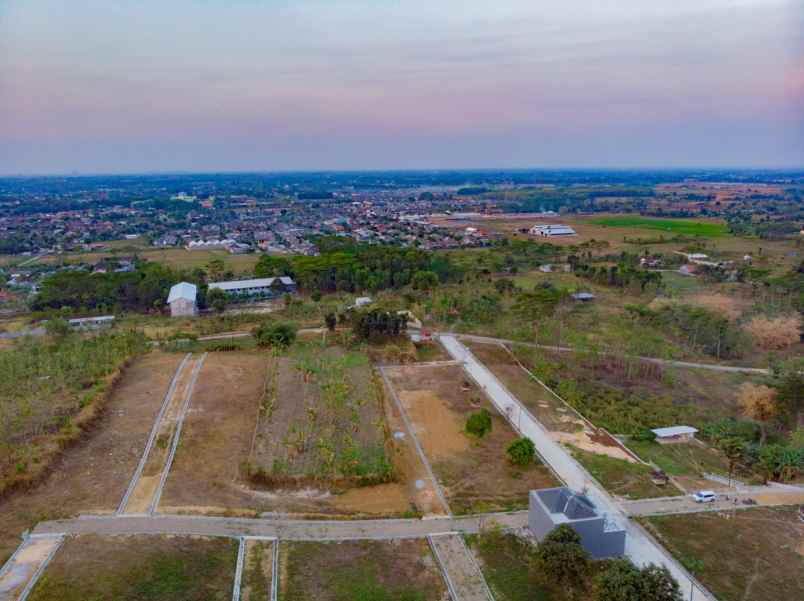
(623, 478)
(687, 227)
(689, 459)
(139, 569)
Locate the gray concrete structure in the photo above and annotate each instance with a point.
(551, 507)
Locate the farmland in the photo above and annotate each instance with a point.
(403, 570)
(687, 227)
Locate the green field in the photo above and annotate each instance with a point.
(687, 227)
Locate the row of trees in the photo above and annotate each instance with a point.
(347, 266)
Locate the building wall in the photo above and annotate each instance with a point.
(183, 308)
(598, 543)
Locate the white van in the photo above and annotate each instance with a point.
(704, 496)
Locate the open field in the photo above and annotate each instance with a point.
(475, 473)
(399, 570)
(747, 555)
(178, 258)
(139, 568)
(690, 459)
(93, 474)
(708, 228)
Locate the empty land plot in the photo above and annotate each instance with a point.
(217, 433)
(475, 473)
(394, 570)
(92, 475)
(747, 555)
(139, 568)
(322, 430)
(687, 227)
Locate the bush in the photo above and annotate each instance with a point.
(623, 581)
(479, 424)
(275, 334)
(521, 451)
(774, 334)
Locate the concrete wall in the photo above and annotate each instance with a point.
(182, 307)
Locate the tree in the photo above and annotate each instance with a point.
(657, 584)
(505, 286)
(521, 451)
(561, 558)
(758, 402)
(316, 296)
(215, 269)
(57, 328)
(424, 280)
(331, 321)
(269, 266)
(378, 323)
(216, 298)
(790, 395)
(479, 423)
(270, 333)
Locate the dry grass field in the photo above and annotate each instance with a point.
(747, 555)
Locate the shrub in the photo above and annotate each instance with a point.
(275, 334)
(774, 334)
(479, 424)
(623, 581)
(521, 451)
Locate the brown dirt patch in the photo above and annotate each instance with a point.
(217, 432)
(93, 474)
(383, 498)
(475, 473)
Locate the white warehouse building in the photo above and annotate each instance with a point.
(550, 230)
(256, 288)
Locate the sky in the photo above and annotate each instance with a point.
(122, 86)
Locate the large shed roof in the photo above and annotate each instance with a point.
(183, 290)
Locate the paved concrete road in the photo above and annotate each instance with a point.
(110, 525)
(725, 501)
(640, 547)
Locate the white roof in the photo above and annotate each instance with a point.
(674, 431)
(254, 283)
(184, 290)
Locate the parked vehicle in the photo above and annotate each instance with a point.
(704, 496)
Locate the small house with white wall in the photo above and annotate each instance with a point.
(182, 300)
(675, 434)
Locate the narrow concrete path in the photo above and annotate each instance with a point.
(640, 546)
(112, 525)
(20, 573)
(461, 572)
(658, 361)
(152, 437)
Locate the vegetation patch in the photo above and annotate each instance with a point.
(139, 568)
(686, 227)
(397, 570)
